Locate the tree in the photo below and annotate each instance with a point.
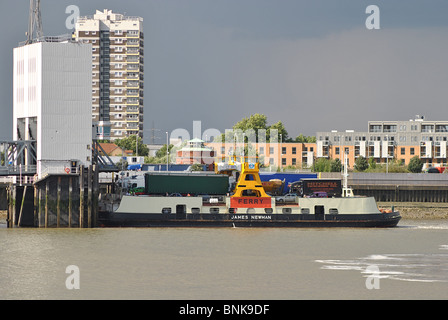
(129, 143)
(415, 165)
(256, 122)
(197, 167)
(361, 164)
(305, 139)
(335, 165)
(162, 151)
(322, 165)
(372, 163)
(161, 156)
(280, 131)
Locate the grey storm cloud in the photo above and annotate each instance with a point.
(311, 64)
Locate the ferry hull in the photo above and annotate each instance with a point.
(375, 220)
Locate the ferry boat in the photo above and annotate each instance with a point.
(247, 206)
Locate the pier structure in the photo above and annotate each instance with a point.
(52, 165)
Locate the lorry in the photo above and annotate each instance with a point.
(186, 183)
(316, 187)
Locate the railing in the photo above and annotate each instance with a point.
(17, 170)
(60, 169)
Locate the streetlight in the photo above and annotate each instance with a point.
(167, 151)
(136, 144)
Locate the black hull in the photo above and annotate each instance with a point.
(382, 220)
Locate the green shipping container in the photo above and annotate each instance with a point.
(212, 184)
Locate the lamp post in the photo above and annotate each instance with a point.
(387, 154)
(167, 151)
(136, 144)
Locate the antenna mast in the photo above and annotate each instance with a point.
(35, 22)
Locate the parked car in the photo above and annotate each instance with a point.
(289, 197)
(319, 195)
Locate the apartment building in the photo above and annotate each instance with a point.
(386, 140)
(271, 155)
(117, 72)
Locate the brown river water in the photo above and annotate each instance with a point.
(406, 262)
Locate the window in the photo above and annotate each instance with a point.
(294, 151)
(283, 150)
(403, 151)
(284, 161)
(261, 150)
(294, 161)
(271, 150)
(337, 150)
(412, 151)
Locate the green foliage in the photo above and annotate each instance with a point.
(393, 166)
(415, 165)
(197, 167)
(361, 164)
(161, 156)
(162, 151)
(280, 131)
(335, 165)
(305, 139)
(129, 143)
(372, 163)
(327, 165)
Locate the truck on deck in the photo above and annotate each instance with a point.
(317, 187)
(186, 183)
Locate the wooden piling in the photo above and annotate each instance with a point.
(89, 197)
(81, 197)
(47, 194)
(70, 197)
(58, 204)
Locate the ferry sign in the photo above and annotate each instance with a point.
(250, 202)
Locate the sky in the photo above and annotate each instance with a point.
(314, 65)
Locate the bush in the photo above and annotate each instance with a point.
(415, 165)
(361, 164)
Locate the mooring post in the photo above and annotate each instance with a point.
(70, 190)
(89, 197)
(11, 207)
(47, 191)
(95, 194)
(58, 204)
(19, 222)
(36, 206)
(41, 205)
(81, 197)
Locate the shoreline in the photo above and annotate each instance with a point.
(418, 210)
(408, 210)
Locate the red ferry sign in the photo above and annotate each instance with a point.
(250, 202)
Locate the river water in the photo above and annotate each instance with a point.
(406, 262)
